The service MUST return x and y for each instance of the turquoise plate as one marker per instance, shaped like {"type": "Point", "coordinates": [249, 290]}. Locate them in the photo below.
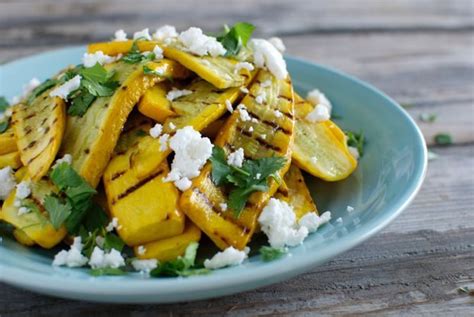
{"type": "Point", "coordinates": [387, 179]}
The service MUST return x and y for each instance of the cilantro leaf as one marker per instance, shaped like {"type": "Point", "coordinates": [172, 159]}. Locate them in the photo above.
{"type": "Point", "coordinates": [269, 253]}
{"type": "Point", "coordinates": [443, 139]}
{"type": "Point", "coordinates": [220, 169]}
{"type": "Point", "coordinates": [63, 176]}
{"type": "Point", "coordinates": [106, 271]}
{"type": "Point", "coordinates": [95, 218]}
{"type": "Point", "coordinates": [4, 126]}
{"type": "Point", "coordinates": [96, 73]}
{"type": "Point", "coordinates": [236, 37]}
{"type": "Point", "coordinates": [112, 241]}
{"type": "Point", "coordinates": [80, 104]}
{"type": "Point", "coordinates": [356, 140]}
{"type": "Point", "coordinates": [3, 104]}
{"type": "Point", "coordinates": [58, 211]}
{"type": "Point", "coordinates": [47, 84]}
{"type": "Point", "coordinates": [182, 266]}
{"type": "Point", "coordinates": [134, 56]}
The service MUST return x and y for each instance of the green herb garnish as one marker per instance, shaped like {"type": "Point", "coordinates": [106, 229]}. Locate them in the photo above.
{"type": "Point", "coordinates": [3, 104]}
{"type": "Point", "coordinates": [4, 126]}
{"type": "Point", "coordinates": [106, 271]}
{"type": "Point", "coordinates": [236, 37]}
{"type": "Point", "coordinates": [47, 84]}
{"type": "Point", "coordinates": [443, 139]}
{"type": "Point", "coordinates": [182, 266]}
{"type": "Point", "coordinates": [113, 241]}
{"type": "Point", "coordinates": [58, 210]}
{"type": "Point", "coordinates": [269, 253]}
{"type": "Point", "coordinates": [428, 117]}
{"type": "Point", "coordinates": [251, 177]}
{"type": "Point", "coordinates": [135, 56]}
{"type": "Point", "coordinates": [356, 140]}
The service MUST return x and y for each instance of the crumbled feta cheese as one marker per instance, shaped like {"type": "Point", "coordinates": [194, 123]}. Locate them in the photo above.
{"type": "Point", "coordinates": [312, 221]}
{"type": "Point", "coordinates": [165, 33]}
{"type": "Point", "coordinates": [23, 190]}
{"type": "Point", "coordinates": [354, 152]}
{"type": "Point", "coordinates": [316, 97]}
{"type": "Point", "coordinates": [266, 83]}
{"type": "Point", "coordinates": [171, 126]}
{"type": "Point", "coordinates": [278, 113]}
{"type": "Point", "coordinates": [73, 257]}
{"type": "Point", "coordinates": [318, 114]}
{"type": "Point", "coordinates": [350, 209]}
{"type": "Point", "coordinates": [23, 210]}
{"type": "Point", "coordinates": [7, 182]}
{"type": "Point", "coordinates": [244, 115]}
{"type": "Point", "coordinates": [164, 142]}
{"type": "Point", "coordinates": [67, 158]}
{"type": "Point", "coordinates": [158, 51]}
{"type": "Point", "coordinates": [243, 65]}
{"type": "Point", "coordinates": [266, 55]}
{"type": "Point", "coordinates": [144, 266]}
{"type": "Point", "coordinates": [113, 259]}
{"type": "Point", "coordinates": [97, 258]}
{"type": "Point", "coordinates": [112, 224]}
{"type": "Point", "coordinates": [65, 89]}
{"type": "Point", "coordinates": [314, 160]}
{"type": "Point", "coordinates": [228, 105]}
{"type": "Point", "coordinates": [196, 42]}
{"type": "Point", "coordinates": [176, 93]}
{"type": "Point", "coordinates": [244, 90]}
{"type": "Point", "coordinates": [223, 206]}
{"type": "Point", "coordinates": [263, 136]}
{"type": "Point", "coordinates": [40, 129]}
{"type": "Point", "coordinates": [278, 222]}
{"type": "Point", "coordinates": [251, 129]}
{"type": "Point", "coordinates": [236, 158]}
{"type": "Point", "coordinates": [89, 60]}
{"type": "Point", "coordinates": [191, 153]}
{"type": "Point", "coordinates": [120, 36]}
{"type": "Point", "coordinates": [258, 175]}
{"type": "Point", "coordinates": [339, 220]}
{"type": "Point", "coordinates": [143, 34]}
{"type": "Point", "coordinates": [156, 130]}
{"type": "Point", "coordinates": [141, 250]}
{"type": "Point", "coordinates": [228, 257]}
{"type": "Point", "coordinates": [183, 184]}
{"type": "Point", "coordinates": [254, 120]}
{"type": "Point", "coordinates": [278, 43]}
{"type": "Point", "coordinates": [261, 97]}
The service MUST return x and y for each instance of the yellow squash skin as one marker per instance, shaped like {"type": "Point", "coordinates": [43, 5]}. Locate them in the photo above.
{"type": "Point", "coordinates": [145, 206]}
{"type": "Point", "coordinates": [155, 105]}
{"type": "Point", "coordinates": [272, 136]}
{"type": "Point", "coordinates": [21, 237]}
{"type": "Point", "coordinates": [35, 225]}
{"type": "Point", "coordinates": [170, 248]}
{"type": "Point", "coordinates": [10, 159]}
{"type": "Point", "coordinates": [219, 71]}
{"type": "Point", "coordinates": [92, 137]}
{"type": "Point", "coordinates": [39, 129]}
{"type": "Point", "coordinates": [295, 192]}
{"type": "Point", "coordinates": [320, 148]}
{"type": "Point", "coordinates": [7, 142]}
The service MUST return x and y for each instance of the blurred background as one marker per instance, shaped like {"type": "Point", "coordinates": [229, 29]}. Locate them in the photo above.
{"type": "Point", "coordinates": [419, 52]}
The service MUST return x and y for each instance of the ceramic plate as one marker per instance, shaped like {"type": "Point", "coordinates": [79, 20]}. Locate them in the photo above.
{"type": "Point", "coordinates": [388, 177]}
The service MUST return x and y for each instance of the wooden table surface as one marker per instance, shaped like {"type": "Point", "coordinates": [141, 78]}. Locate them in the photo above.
{"type": "Point", "coordinates": [419, 52]}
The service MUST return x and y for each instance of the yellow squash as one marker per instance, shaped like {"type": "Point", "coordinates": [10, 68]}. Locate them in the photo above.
{"type": "Point", "coordinates": [39, 129]}
{"type": "Point", "coordinates": [7, 141]}
{"type": "Point", "coordinates": [90, 139]}
{"type": "Point", "coordinates": [269, 133]}
{"type": "Point", "coordinates": [21, 237]}
{"type": "Point", "coordinates": [10, 159]}
{"type": "Point", "coordinates": [294, 191]}
{"type": "Point", "coordinates": [155, 105]}
{"type": "Point", "coordinates": [170, 248]}
{"type": "Point", "coordinates": [320, 148]}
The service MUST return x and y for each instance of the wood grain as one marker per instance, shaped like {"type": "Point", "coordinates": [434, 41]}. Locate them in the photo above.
{"type": "Point", "coordinates": [419, 52]}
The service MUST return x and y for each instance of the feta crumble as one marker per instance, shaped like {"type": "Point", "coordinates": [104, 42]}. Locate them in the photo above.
{"type": "Point", "coordinates": [143, 34]}
{"type": "Point", "coordinates": [23, 190]}
{"type": "Point", "coordinates": [243, 65]}
{"type": "Point", "coordinates": [155, 132]}
{"type": "Point", "coordinates": [144, 266]}
{"type": "Point", "coordinates": [7, 182]}
{"type": "Point", "coordinates": [112, 224]}
{"type": "Point", "coordinates": [67, 158]}
{"type": "Point", "coordinates": [158, 51]}
{"type": "Point", "coordinates": [73, 257]}
{"type": "Point", "coordinates": [228, 105]}
{"type": "Point", "coordinates": [141, 250]}
{"type": "Point", "coordinates": [165, 34]}
{"type": "Point", "coordinates": [244, 115]}
{"type": "Point", "coordinates": [65, 89]}
{"type": "Point", "coordinates": [99, 259]}
{"type": "Point", "coordinates": [266, 83]}
{"type": "Point", "coordinates": [236, 158]}
{"type": "Point", "coordinates": [261, 97]}
{"type": "Point", "coordinates": [349, 209]}
{"type": "Point", "coordinates": [339, 220]}
{"type": "Point", "coordinates": [228, 257]}
{"type": "Point", "coordinates": [277, 43]}
{"type": "Point", "coordinates": [120, 36]}
{"type": "Point", "coordinates": [90, 59]}
{"type": "Point", "coordinates": [251, 129]}
{"type": "Point", "coordinates": [23, 210]}
{"type": "Point", "coordinates": [316, 97]}
{"type": "Point", "coordinates": [176, 93]}
{"type": "Point", "coordinates": [183, 184]}
{"type": "Point", "coordinates": [191, 153]}
{"type": "Point", "coordinates": [278, 222]}
{"type": "Point", "coordinates": [278, 113]}
{"type": "Point", "coordinates": [223, 206]}
{"type": "Point", "coordinates": [171, 126]}
{"type": "Point", "coordinates": [312, 221]}
{"type": "Point", "coordinates": [354, 152]}
{"type": "Point", "coordinates": [196, 42]}
{"type": "Point", "coordinates": [266, 55]}
{"type": "Point", "coordinates": [244, 90]}
{"type": "Point", "coordinates": [164, 142]}
{"type": "Point", "coordinates": [320, 113]}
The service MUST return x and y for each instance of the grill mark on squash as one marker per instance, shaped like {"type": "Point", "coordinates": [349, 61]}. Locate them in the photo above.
{"type": "Point", "coordinates": [262, 142]}
{"type": "Point", "coordinates": [135, 187]}
{"type": "Point", "coordinates": [40, 152]}
{"type": "Point", "coordinates": [117, 175]}
{"type": "Point", "coordinates": [273, 125]}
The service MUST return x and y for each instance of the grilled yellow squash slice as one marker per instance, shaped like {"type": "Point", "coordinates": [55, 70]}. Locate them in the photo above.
{"type": "Point", "coordinates": [320, 148]}
{"type": "Point", "coordinates": [155, 105]}
{"type": "Point", "coordinates": [146, 207]}
{"type": "Point", "coordinates": [35, 224]}
{"type": "Point", "coordinates": [39, 129]}
{"type": "Point", "coordinates": [170, 248]}
{"type": "Point", "coordinates": [21, 237]}
{"type": "Point", "coordinates": [219, 71]}
{"type": "Point", "coordinates": [90, 139]}
{"type": "Point", "coordinates": [294, 191]}
{"type": "Point", "coordinates": [268, 133]}
{"type": "Point", "coordinates": [10, 159]}
{"type": "Point", "coordinates": [7, 142]}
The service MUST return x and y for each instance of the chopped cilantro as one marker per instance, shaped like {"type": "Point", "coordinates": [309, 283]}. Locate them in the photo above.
{"type": "Point", "coordinates": [106, 271]}
{"type": "Point", "coordinates": [356, 140]}
{"type": "Point", "coordinates": [428, 117]}
{"type": "Point", "coordinates": [443, 139]}
{"type": "Point", "coordinates": [47, 84]}
{"type": "Point", "coordinates": [182, 266]}
{"type": "Point", "coordinates": [80, 104]}
{"type": "Point", "coordinates": [3, 104]}
{"type": "Point", "coordinates": [270, 253]}
{"type": "Point", "coordinates": [113, 241]}
{"type": "Point", "coordinates": [243, 181]}
{"type": "Point", "coordinates": [135, 56]}
{"type": "Point", "coordinates": [236, 37]}
{"type": "Point", "coordinates": [58, 210]}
